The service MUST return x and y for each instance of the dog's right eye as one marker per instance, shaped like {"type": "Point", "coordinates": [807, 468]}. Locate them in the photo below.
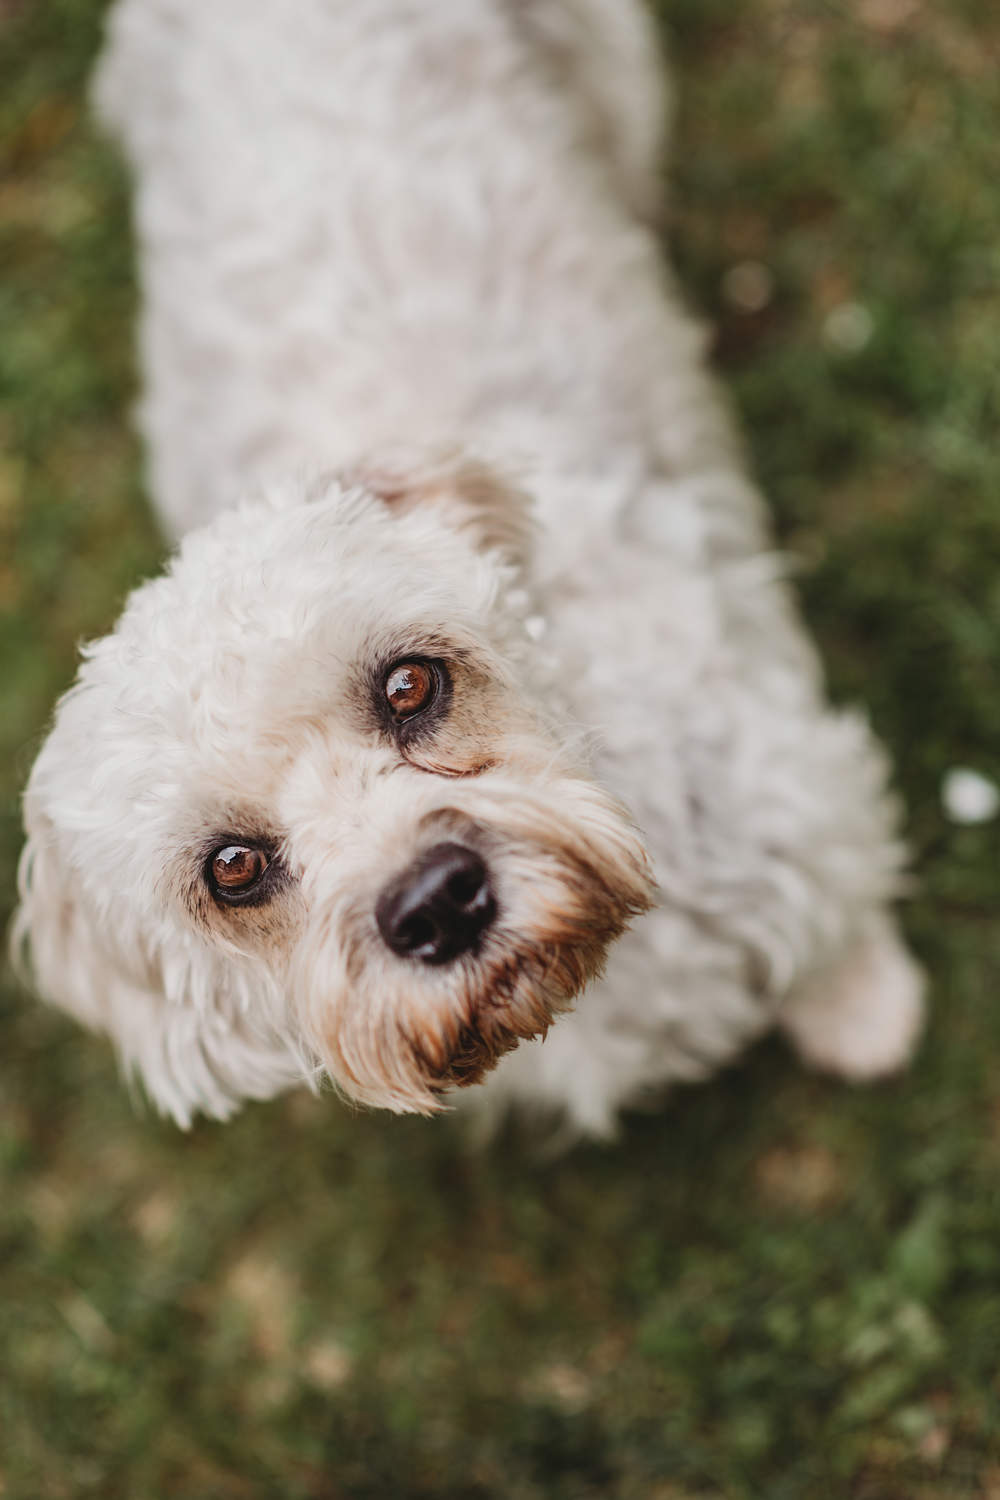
{"type": "Point", "coordinates": [410, 687]}
{"type": "Point", "coordinates": [234, 870]}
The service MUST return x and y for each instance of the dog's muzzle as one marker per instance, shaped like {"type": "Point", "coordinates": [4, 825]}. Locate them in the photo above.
{"type": "Point", "coordinates": [439, 907]}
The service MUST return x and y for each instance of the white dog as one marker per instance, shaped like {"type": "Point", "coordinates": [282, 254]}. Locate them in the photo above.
{"type": "Point", "coordinates": [338, 798]}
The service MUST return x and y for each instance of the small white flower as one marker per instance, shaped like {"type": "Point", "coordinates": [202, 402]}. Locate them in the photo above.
{"type": "Point", "coordinates": [848, 327]}
{"type": "Point", "coordinates": [969, 797]}
{"type": "Point", "coordinates": [748, 286]}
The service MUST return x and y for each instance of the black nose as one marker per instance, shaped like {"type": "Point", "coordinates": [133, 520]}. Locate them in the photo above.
{"type": "Point", "coordinates": [439, 907]}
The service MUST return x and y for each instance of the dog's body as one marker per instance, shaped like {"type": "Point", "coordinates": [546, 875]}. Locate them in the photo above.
{"type": "Point", "coordinates": [370, 234]}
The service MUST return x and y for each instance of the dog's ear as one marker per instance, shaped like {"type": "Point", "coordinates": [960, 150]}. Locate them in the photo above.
{"type": "Point", "coordinates": [54, 943]}
{"type": "Point", "coordinates": [480, 500]}
{"type": "Point", "coordinates": [61, 947]}
{"type": "Point", "coordinates": [167, 1026]}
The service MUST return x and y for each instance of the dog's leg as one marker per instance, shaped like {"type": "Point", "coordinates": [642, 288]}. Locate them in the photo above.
{"type": "Point", "coordinates": [860, 1016]}
{"type": "Point", "coordinates": [607, 55]}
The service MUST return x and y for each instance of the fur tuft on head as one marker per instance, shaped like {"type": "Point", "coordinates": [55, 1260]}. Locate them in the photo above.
{"type": "Point", "coordinates": [473, 495]}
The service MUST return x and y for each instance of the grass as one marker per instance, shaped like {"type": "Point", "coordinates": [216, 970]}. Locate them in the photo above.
{"type": "Point", "coordinates": [777, 1287]}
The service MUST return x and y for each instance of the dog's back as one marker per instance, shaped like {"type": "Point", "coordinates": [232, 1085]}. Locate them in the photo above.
{"type": "Point", "coordinates": [393, 221]}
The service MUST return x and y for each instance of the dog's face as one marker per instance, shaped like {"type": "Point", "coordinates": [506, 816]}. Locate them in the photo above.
{"type": "Point", "coordinates": [308, 811]}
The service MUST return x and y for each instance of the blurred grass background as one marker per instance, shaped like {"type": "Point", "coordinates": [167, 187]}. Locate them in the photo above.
{"type": "Point", "coordinates": [778, 1288]}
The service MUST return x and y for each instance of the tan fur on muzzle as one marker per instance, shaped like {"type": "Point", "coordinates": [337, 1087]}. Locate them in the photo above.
{"type": "Point", "coordinates": [397, 1033]}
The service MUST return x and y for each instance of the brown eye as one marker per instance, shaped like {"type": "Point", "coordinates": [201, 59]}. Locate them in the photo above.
{"type": "Point", "coordinates": [409, 688]}
{"type": "Point", "coordinates": [236, 868]}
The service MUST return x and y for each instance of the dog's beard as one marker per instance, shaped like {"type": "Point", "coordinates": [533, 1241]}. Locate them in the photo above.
{"type": "Point", "coordinates": [397, 1033]}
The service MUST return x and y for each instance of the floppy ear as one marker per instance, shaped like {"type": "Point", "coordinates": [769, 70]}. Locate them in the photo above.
{"type": "Point", "coordinates": [180, 1028]}
{"type": "Point", "coordinates": [54, 945]}
{"type": "Point", "coordinates": [478, 498]}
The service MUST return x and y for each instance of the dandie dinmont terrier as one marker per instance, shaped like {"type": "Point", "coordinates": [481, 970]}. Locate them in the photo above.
{"type": "Point", "coordinates": [473, 700]}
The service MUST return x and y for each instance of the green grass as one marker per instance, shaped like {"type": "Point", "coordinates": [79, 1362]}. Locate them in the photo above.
{"type": "Point", "coordinates": [775, 1289]}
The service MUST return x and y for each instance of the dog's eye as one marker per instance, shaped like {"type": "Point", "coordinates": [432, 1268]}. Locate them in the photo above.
{"type": "Point", "coordinates": [235, 869]}
{"type": "Point", "coordinates": [410, 687]}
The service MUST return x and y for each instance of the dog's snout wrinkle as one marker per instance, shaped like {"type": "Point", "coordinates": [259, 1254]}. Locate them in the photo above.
{"type": "Point", "coordinates": [439, 907]}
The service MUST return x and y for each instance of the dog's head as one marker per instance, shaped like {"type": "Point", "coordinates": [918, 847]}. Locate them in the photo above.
{"type": "Point", "coordinates": [309, 810]}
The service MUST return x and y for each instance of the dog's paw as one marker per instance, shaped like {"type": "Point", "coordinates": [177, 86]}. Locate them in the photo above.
{"type": "Point", "coordinates": [860, 1017]}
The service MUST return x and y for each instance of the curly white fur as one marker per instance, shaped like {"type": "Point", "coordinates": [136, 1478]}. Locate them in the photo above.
{"type": "Point", "coordinates": [374, 238]}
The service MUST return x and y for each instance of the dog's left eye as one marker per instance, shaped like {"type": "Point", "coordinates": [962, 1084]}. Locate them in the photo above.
{"type": "Point", "coordinates": [410, 687]}
{"type": "Point", "coordinates": [235, 870]}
